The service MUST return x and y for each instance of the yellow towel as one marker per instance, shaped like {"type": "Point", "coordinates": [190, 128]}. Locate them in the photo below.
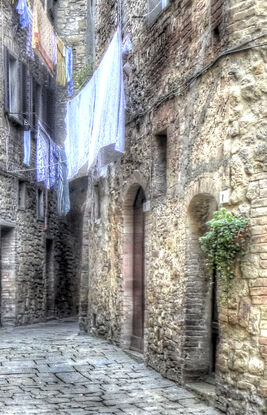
{"type": "Point", "coordinates": [61, 72]}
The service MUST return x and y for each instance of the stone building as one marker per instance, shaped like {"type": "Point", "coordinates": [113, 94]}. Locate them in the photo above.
{"type": "Point", "coordinates": [36, 251]}
{"type": "Point", "coordinates": [195, 141]}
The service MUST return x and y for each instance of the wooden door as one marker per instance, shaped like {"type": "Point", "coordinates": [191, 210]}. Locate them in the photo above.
{"type": "Point", "coordinates": [137, 340]}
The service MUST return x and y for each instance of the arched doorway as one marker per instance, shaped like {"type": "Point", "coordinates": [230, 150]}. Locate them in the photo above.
{"type": "Point", "coordinates": [201, 318]}
{"type": "Point", "coordinates": [132, 335]}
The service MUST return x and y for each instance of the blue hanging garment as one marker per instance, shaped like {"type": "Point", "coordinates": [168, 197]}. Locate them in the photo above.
{"type": "Point", "coordinates": [27, 147]}
{"type": "Point", "coordinates": [62, 186]}
{"type": "Point", "coordinates": [29, 49]}
{"type": "Point", "coordinates": [126, 45]}
{"type": "Point", "coordinates": [42, 156]}
{"type": "Point", "coordinates": [68, 68]}
{"type": "Point", "coordinates": [54, 160]}
{"type": "Point", "coordinates": [95, 117]}
{"type": "Point", "coordinates": [23, 12]}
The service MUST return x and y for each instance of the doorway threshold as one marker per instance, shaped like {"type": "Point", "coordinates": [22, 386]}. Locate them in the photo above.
{"type": "Point", "coordinates": [137, 356]}
{"type": "Point", "coordinates": [205, 389]}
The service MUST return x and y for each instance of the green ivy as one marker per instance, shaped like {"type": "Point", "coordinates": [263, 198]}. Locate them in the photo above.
{"type": "Point", "coordinates": [83, 75]}
{"type": "Point", "coordinates": [227, 236]}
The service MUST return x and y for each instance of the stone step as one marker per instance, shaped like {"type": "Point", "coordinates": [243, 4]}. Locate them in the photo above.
{"type": "Point", "coordinates": [204, 390]}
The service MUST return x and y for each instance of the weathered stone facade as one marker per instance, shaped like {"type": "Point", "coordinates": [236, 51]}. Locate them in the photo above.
{"type": "Point", "coordinates": [37, 258]}
{"type": "Point", "coordinates": [195, 141]}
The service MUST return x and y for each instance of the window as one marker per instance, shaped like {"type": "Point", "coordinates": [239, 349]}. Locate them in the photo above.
{"type": "Point", "coordinates": [160, 165]}
{"type": "Point", "coordinates": [44, 107]}
{"type": "Point", "coordinates": [40, 204]}
{"type": "Point", "coordinates": [155, 7]}
{"type": "Point", "coordinates": [51, 9]}
{"type": "Point", "coordinates": [97, 212]}
{"type": "Point", "coordinates": [22, 195]}
{"type": "Point", "coordinates": [18, 91]}
{"type": "Point", "coordinates": [13, 87]}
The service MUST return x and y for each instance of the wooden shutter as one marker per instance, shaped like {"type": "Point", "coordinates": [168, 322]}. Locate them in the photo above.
{"type": "Point", "coordinates": [27, 98]}
{"type": "Point", "coordinates": [50, 120]}
{"type": "Point", "coordinates": [20, 94]}
{"type": "Point", "coordinates": [37, 89]}
{"type": "Point", "coordinates": [6, 80]}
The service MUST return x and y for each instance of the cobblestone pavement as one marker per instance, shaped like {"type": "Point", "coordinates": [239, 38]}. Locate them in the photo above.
{"type": "Point", "coordinates": [49, 369]}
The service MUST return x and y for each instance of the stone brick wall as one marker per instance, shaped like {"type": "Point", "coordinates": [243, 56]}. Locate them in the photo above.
{"type": "Point", "coordinates": [27, 287]}
{"type": "Point", "coordinates": [216, 141]}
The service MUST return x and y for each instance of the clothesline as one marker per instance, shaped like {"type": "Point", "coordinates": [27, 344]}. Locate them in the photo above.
{"type": "Point", "coordinates": [95, 116]}
{"type": "Point", "coordinates": [35, 168]}
{"type": "Point", "coordinates": [44, 40]}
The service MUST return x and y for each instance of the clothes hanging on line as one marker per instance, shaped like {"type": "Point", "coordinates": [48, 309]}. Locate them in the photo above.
{"type": "Point", "coordinates": [51, 168]}
{"type": "Point", "coordinates": [27, 147]}
{"type": "Point", "coordinates": [126, 45]}
{"type": "Point", "coordinates": [61, 71]}
{"type": "Point", "coordinates": [62, 186]}
{"type": "Point", "coordinates": [42, 156]}
{"type": "Point", "coordinates": [54, 160]}
{"type": "Point", "coordinates": [29, 49]}
{"type": "Point", "coordinates": [95, 117]}
{"type": "Point", "coordinates": [43, 39]}
{"type": "Point", "coordinates": [68, 68]}
{"type": "Point", "coordinates": [23, 12]}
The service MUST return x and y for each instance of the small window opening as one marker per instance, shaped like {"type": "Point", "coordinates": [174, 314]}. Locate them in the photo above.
{"type": "Point", "coordinates": [216, 32]}
{"type": "Point", "coordinates": [97, 203]}
{"type": "Point", "coordinates": [22, 195]}
{"type": "Point", "coordinates": [40, 204]}
{"type": "Point", "coordinates": [94, 320]}
{"type": "Point", "coordinates": [154, 8]}
{"type": "Point", "coordinates": [160, 165]}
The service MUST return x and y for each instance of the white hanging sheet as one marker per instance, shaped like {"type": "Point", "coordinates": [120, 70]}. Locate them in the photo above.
{"type": "Point", "coordinates": [95, 117]}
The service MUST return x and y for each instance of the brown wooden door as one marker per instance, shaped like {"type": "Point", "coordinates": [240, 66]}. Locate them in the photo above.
{"type": "Point", "coordinates": [137, 340]}
{"type": "Point", "coordinates": [214, 323]}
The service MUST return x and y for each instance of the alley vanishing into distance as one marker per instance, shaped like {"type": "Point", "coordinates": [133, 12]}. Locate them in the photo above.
{"type": "Point", "coordinates": [49, 369]}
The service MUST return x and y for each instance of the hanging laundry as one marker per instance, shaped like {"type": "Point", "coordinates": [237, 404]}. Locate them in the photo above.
{"type": "Point", "coordinates": [23, 12]}
{"type": "Point", "coordinates": [42, 156]}
{"type": "Point", "coordinates": [126, 45]}
{"type": "Point", "coordinates": [61, 72]}
{"type": "Point", "coordinates": [62, 186]}
{"type": "Point", "coordinates": [27, 147]}
{"type": "Point", "coordinates": [54, 160]}
{"type": "Point", "coordinates": [29, 49]}
{"type": "Point", "coordinates": [68, 67]}
{"type": "Point", "coordinates": [51, 168]}
{"type": "Point", "coordinates": [43, 39]}
{"type": "Point", "coordinates": [95, 117]}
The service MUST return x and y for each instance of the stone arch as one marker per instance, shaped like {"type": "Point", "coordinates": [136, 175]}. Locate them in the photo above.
{"type": "Point", "coordinates": [199, 292]}
{"type": "Point", "coordinates": [128, 261]}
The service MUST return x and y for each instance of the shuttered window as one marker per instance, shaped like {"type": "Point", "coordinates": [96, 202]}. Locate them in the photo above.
{"type": "Point", "coordinates": [18, 91]}
{"type": "Point", "coordinates": [44, 107]}
{"type": "Point", "coordinates": [154, 8]}
{"type": "Point", "coordinates": [13, 88]}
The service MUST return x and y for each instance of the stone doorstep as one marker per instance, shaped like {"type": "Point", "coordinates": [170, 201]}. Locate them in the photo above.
{"type": "Point", "coordinates": [205, 390]}
{"type": "Point", "coordinates": [138, 357]}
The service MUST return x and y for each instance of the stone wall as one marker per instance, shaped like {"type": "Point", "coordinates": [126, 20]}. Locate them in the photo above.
{"type": "Point", "coordinates": [28, 287]}
{"type": "Point", "coordinates": [216, 141]}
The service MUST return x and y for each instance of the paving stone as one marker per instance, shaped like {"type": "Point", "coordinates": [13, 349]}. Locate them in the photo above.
{"type": "Point", "coordinates": [50, 370]}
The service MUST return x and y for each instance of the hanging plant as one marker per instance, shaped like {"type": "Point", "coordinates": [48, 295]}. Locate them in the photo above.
{"type": "Point", "coordinates": [227, 236]}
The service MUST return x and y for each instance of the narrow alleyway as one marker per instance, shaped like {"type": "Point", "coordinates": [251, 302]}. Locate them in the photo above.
{"type": "Point", "coordinates": [49, 369]}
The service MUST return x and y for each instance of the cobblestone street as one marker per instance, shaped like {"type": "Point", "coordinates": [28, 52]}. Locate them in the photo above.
{"type": "Point", "coordinates": [49, 369]}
